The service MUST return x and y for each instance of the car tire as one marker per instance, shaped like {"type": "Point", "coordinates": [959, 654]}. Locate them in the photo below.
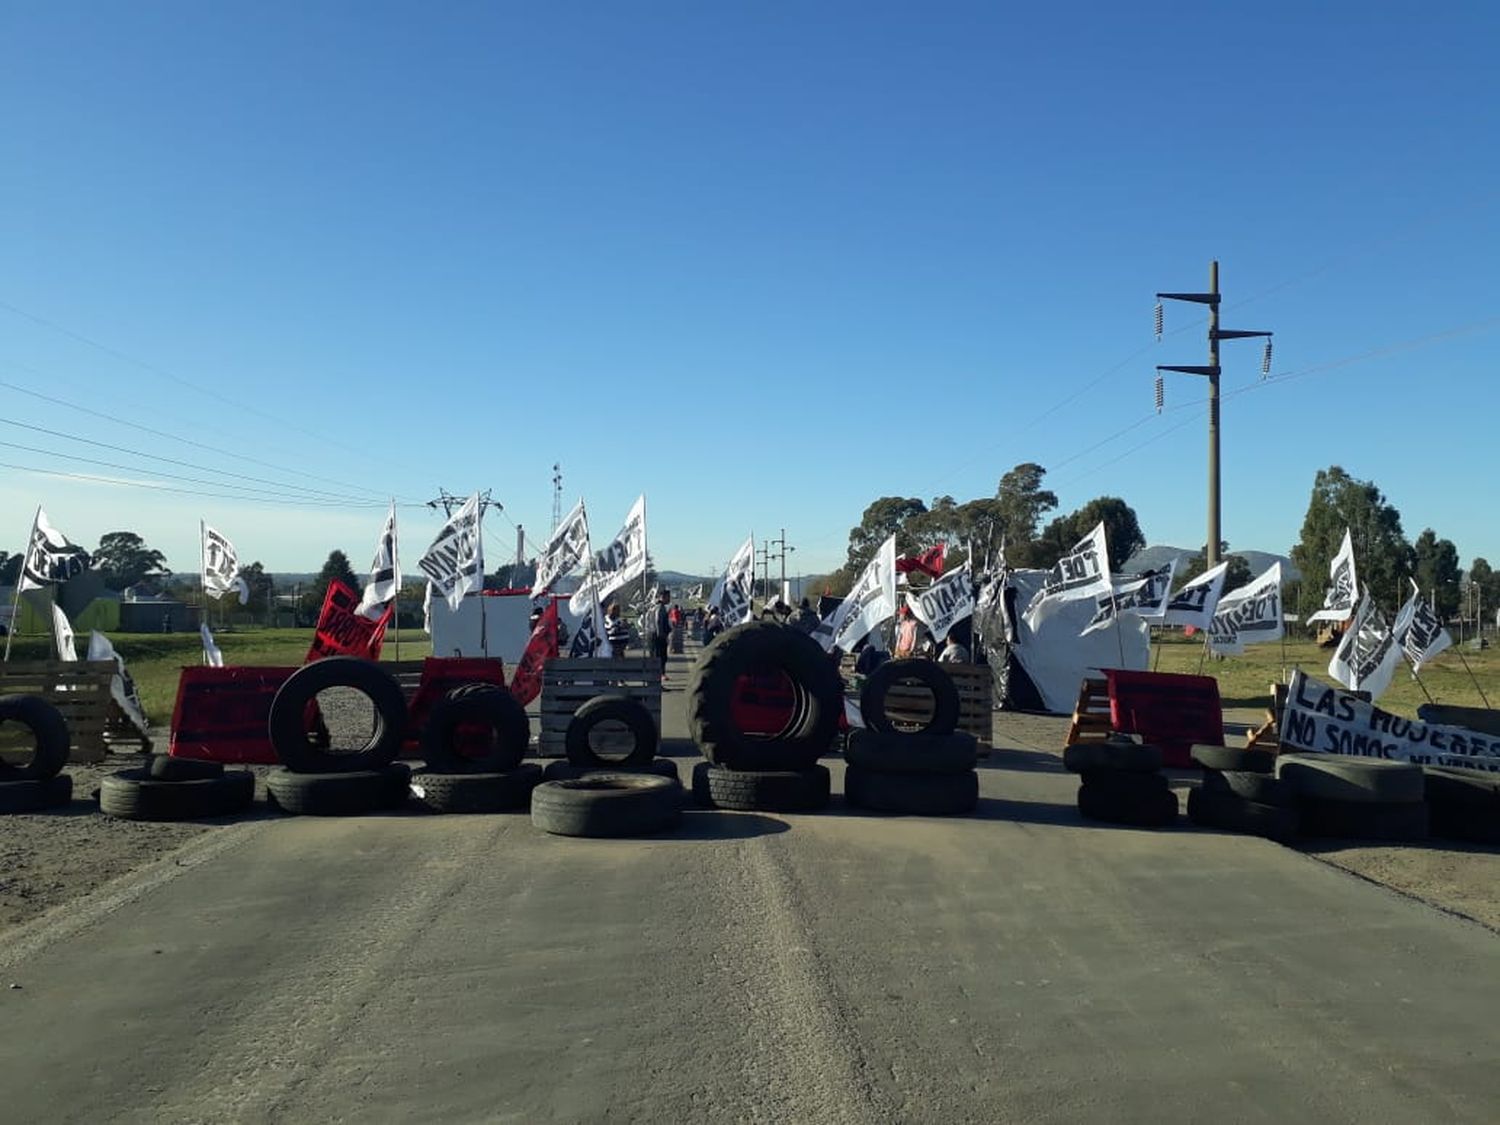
{"type": "Point", "coordinates": [761, 790]}
{"type": "Point", "coordinates": [877, 686]}
{"type": "Point", "coordinates": [1336, 777]}
{"type": "Point", "coordinates": [1227, 810]}
{"type": "Point", "coordinates": [289, 706]}
{"type": "Point", "coordinates": [1364, 820]}
{"type": "Point", "coordinates": [631, 713]}
{"type": "Point", "coordinates": [607, 805]}
{"type": "Point", "coordinates": [476, 705]}
{"type": "Point", "coordinates": [1233, 759]}
{"type": "Point", "coordinates": [912, 794]}
{"type": "Point", "coordinates": [49, 731]}
{"type": "Point", "coordinates": [136, 795]}
{"type": "Point", "coordinates": [164, 767]}
{"type": "Point", "coordinates": [506, 791]}
{"type": "Point", "coordinates": [1129, 757]}
{"type": "Point", "coordinates": [1262, 788]}
{"type": "Point", "coordinates": [344, 793]}
{"type": "Point", "coordinates": [34, 796]}
{"type": "Point", "coordinates": [1115, 806]}
{"type": "Point", "coordinates": [912, 753]}
{"type": "Point", "coordinates": [567, 771]}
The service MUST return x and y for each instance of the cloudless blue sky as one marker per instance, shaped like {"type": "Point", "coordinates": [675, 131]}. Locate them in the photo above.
{"type": "Point", "coordinates": [763, 263]}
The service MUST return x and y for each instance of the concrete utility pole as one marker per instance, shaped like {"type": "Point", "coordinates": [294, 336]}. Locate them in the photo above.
{"type": "Point", "coordinates": [781, 554]}
{"type": "Point", "coordinates": [1215, 334]}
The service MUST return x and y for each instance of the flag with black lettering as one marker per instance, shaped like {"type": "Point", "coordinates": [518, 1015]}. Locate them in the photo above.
{"type": "Point", "coordinates": [621, 562]}
{"type": "Point", "coordinates": [1419, 632]}
{"type": "Point", "coordinates": [1367, 655]}
{"type": "Point", "coordinates": [1144, 595]}
{"type": "Point", "coordinates": [591, 639]}
{"type": "Point", "coordinates": [731, 593]}
{"type": "Point", "coordinates": [50, 558]}
{"type": "Point", "coordinates": [1082, 573]}
{"type": "Point", "coordinates": [871, 601]}
{"type": "Point", "coordinates": [122, 687]}
{"type": "Point", "coordinates": [564, 548]}
{"type": "Point", "coordinates": [385, 572]}
{"type": "Point", "coordinates": [1195, 603]}
{"type": "Point", "coordinates": [945, 603]}
{"type": "Point", "coordinates": [454, 564]}
{"type": "Point", "coordinates": [221, 565]}
{"type": "Point", "coordinates": [1343, 586]}
{"type": "Point", "coordinates": [1250, 615]}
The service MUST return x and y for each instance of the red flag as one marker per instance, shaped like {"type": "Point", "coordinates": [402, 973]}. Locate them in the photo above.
{"type": "Point", "coordinates": [343, 630]}
{"type": "Point", "coordinates": [526, 683]}
{"type": "Point", "coordinates": [929, 561]}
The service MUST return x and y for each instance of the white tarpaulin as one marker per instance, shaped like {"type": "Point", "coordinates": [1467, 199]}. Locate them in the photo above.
{"type": "Point", "coordinates": [1249, 616]}
{"type": "Point", "coordinates": [385, 572]}
{"type": "Point", "coordinates": [731, 593]}
{"type": "Point", "coordinates": [871, 601]}
{"type": "Point", "coordinates": [1419, 632]}
{"type": "Point", "coordinates": [1338, 602]}
{"type": "Point", "coordinates": [1081, 574]}
{"type": "Point", "coordinates": [565, 547]}
{"type": "Point", "coordinates": [1195, 603]}
{"type": "Point", "coordinates": [945, 603]}
{"type": "Point", "coordinates": [454, 564]}
{"type": "Point", "coordinates": [1145, 596]}
{"type": "Point", "coordinates": [1330, 720]}
{"type": "Point", "coordinates": [620, 563]}
{"type": "Point", "coordinates": [1368, 654]}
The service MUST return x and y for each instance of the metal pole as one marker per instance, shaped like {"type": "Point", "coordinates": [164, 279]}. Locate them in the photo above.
{"type": "Point", "coordinates": [1213, 417]}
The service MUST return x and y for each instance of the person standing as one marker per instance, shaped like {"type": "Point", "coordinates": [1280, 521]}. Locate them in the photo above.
{"type": "Point", "coordinates": [616, 631]}
{"type": "Point", "coordinates": [659, 629]}
{"type": "Point", "coordinates": [804, 619]}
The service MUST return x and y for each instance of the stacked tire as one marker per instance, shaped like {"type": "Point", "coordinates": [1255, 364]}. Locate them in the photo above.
{"type": "Point", "coordinates": [1356, 798]}
{"type": "Point", "coordinates": [39, 782]}
{"type": "Point", "coordinates": [313, 780]}
{"type": "Point", "coordinates": [1241, 794]}
{"type": "Point", "coordinates": [167, 788]}
{"type": "Point", "coordinates": [472, 748]}
{"type": "Point", "coordinates": [1463, 804]}
{"type": "Point", "coordinates": [598, 716]}
{"type": "Point", "coordinates": [922, 769]}
{"type": "Point", "coordinates": [776, 772]}
{"type": "Point", "coordinates": [1122, 783]}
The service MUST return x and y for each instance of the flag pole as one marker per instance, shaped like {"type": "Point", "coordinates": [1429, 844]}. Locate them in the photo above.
{"type": "Point", "coordinates": [15, 605]}
{"type": "Point", "coordinates": [1471, 674]}
{"type": "Point", "coordinates": [396, 566]}
{"type": "Point", "coordinates": [203, 578]}
{"type": "Point", "coordinates": [1418, 678]}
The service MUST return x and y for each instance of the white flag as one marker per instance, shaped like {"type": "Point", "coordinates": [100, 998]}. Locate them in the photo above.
{"type": "Point", "coordinates": [211, 654]}
{"type": "Point", "coordinates": [872, 601]}
{"type": "Point", "coordinates": [62, 634]}
{"type": "Point", "coordinates": [945, 603]}
{"type": "Point", "coordinates": [50, 558]}
{"type": "Point", "coordinates": [1144, 596]}
{"type": "Point", "coordinates": [564, 548]}
{"type": "Point", "coordinates": [1367, 655]}
{"type": "Point", "coordinates": [1082, 573]}
{"type": "Point", "coordinates": [1338, 602]}
{"type": "Point", "coordinates": [121, 686]}
{"type": "Point", "coordinates": [731, 593]}
{"type": "Point", "coordinates": [622, 562]}
{"type": "Point", "coordinates": [454, 564]}
{"type": "Point", "coordinates": [1251, 615]}
{"type": "Point", "coordinates": [591, 639]}
{"type": "Point", "coordinates": [1195, 603]}
{"type": "Point", "coordinates": [221, 565]}
{"type": "Point", "coordinates": [385, 572]}
{"type": "Point", "coordinates": [1419, 632]}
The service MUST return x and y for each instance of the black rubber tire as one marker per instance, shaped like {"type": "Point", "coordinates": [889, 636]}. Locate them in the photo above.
{"type": "Point", "coordinates": [1223, 809]}
{"type": "Point", "coordinates": [49, 730]}
{"type": "Point", "coordinates": [164, 767]}
{"type": "Point", "coordinates": [878, 684]}
{"type": "Point", "coordinates": [1233, 759]}
{"type": "Point", "coordinates": [1129, 785]}
{"type": "Point", "coordinates": [1262, 788]}
{"type": "Point", "coordinates": [912, 753]}
{"type": "Point", "coordinates": [1128, 757]}
{"type": "Point", "coordinates": [479, 705]}
{"type": "Point", "coordinates": [607, 805]}
{"type": "Point", "coordinates": [509, 791]}
{"type": "Point", "coordinates": [567, 771]}
{"type": "Point", "coordinates": [761, 790]}
{"type": "Point", "coordinates": [912, 794]}
{"type": "Point", "coordinates": [622, 709]}
{"type": "Point", "coordinates": [1337, 777]}
{"type": "Point", "coordinates": [1476, 824]}
{"type": "Point", "coordinates": [290, 741]}
{"type": "Point", "coordinates": [344, 793]}
{"type": "Point", "coordinates": [1364, 820]}
{"type": "Point", "coordinates": [1114, 806]}
{"type": "Point", "coordinates": [1449, 785]}
{"type": "Point", "coordinates": [34, 796]}
{"type": "Point", "coordinates": [136, 795]}
{"type": "Point", "coordinates": [762, 645]}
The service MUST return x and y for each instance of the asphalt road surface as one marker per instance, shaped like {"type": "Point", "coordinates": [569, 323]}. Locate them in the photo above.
{"type": "Point", "coordinates": [1017, 966]}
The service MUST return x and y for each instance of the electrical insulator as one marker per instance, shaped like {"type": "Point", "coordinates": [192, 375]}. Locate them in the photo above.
{"type": "Point", "coordinates": [1265, 361]}
{"type": "Point", "coordinates": [1160, 320]}
{"type": "Point", "coordinates": [1161, 393]}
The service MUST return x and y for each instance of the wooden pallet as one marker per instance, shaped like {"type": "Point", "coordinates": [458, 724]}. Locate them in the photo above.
{"type": "Point", "coordinates": [912, 703]}
{"type": "Point", "coordinates": [568, 684]}
{"type": "Point", "coordinates": [1092, 721]}
{"type": "Point", "coordinates": [79, 689]}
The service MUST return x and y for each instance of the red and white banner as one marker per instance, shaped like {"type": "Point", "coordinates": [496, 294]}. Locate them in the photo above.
{"type": "Point", "coordinates": [343, 630]}
{"type": "Point", "coordinates": [526, 682]}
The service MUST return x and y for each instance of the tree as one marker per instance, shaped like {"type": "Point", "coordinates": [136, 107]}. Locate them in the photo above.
{"type": "Point", "coordinates": [884, 517]}
{"type": "Point", "coordinates": [1482, 581]}
{"type": "Point", "coordinates": [336, 566]}
{"type": "Point", "coordinates": [10, 568]}
{"type": "Point", "coordinates": [1020, 503]}
{"type": "Point", "coordinates": [1122, 531]}
{"type": "Point", "coordinates": [1235, 575]}
{"type": "Point", "coordinates": [262, 589]}
{"type": "Point", "coordinates": [1437, 574]}
{"type": "Point", "coordinates": [123, 559]}
{"type": "Point", "coordinates": [1382, 555]}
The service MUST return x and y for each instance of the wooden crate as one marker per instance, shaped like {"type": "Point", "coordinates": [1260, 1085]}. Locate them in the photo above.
{"type": "Point", "coordinates": [567, 684]}
{"type": "Point", "coordinates": [912, 703]}
{"type": "Point", "coordinates": [1092, 720]}
{"type": "Point", "coordinates": [79, 689]}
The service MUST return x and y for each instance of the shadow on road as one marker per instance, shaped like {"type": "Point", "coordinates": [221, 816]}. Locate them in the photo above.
{"type": "Point", "coordinates": [1025, 761]}
{"type": "Point", "coordinates": [716, 824]}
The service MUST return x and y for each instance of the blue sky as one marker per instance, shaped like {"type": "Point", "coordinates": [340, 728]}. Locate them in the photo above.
{"type": "Point", "coordinates": [762, 263]}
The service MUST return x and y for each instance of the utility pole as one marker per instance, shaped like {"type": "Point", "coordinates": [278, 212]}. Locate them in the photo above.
{"type": "Point", "coordinates": [1212, 370]}
{"type": "Point", "coordinates": [781, 555]}
{"type": "Point", "coordinates": [556, 494]}
{"type": "Point", "coordinates": [764, 557]}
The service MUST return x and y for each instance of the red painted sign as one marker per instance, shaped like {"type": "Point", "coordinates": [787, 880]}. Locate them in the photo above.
{"type": "Point", "coordinates": [343, 630]}
{"type": "Point", "coordinates": [1169, 710]}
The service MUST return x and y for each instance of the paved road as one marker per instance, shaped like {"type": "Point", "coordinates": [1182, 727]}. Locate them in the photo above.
{"type": "Point", "coordinates": [1017, 966]}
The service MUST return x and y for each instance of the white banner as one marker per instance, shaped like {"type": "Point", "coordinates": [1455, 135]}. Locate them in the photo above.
{"type": "Point", "coordinates": [1338, 602]}
{"type": "Point", "coordinates": [1329, 720]}
{"type": "Point", "coordinates": [1082, 573]}
{"type": "Point", "coordinates": [62, 634]}
{"type": "Point", "coordinates": [221, 565]}
{"type": "Point", "coordinates": [731, 593]}
{"type": "Point", "coordinates": [1249, 616]}
{"type": "Point", "coordinates": [1368, 654]}
{"type": "Point", "coordinates": [564, 548]}
{"type": "Point", "coordinates": [121, 686]}
{"type": "Point", "coordinates": [211, 654]}
{"type": "Point", "coordinates": [385, 572]}
{"type": "Point", "coordinates": [872, 600]}
{"type": "Point", "coordinates": [620, 563]}
{"type": "Point", "coordinates": [1145, 596]}
{"type": "Point", "coordinates": [1195, 603]}
{"type": "Point", "coordinates": [50, 558]}
{"type": "Point", "coordinates": [454, 564]}
{"type": "Point", "coordinates": [945, 603]}
{"type": "Point", "coordinates": [1419, 632]}
{"type": "Point", "coordinates": [591, 638]}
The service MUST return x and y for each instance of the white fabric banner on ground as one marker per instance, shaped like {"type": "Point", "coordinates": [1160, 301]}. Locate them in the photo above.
{"type": "Point", "coordinates": [1367, 655]}
{"type": "Point", "coordinates": [1419, 632]}
{"type": "Point", "coordinates": [454, 564]}
{"type": "Point", "coordinates": [1145, 596]}
{"type": "Point", "coordinates": [385, 572]}
{"type": "Point", "coordinates": [945, 603]}
{"type": "Point", "coordinates": [1249, 616]}
{"type": "Point", "coordinates": [121, 686]}
{"type": "Point", "coordinates": [50, 558]}
{"type": "Point", "coordinates": [620, 563]}
{"type": "Point", "coordinates": [62, 634]}
{"type": "Point", "coordinates": [1330, 720]}
{"type": "Point", "coordinates": [221, 565]}
{"type": "Point", "coordinates": [564, 549]}
{"type": "Point", "coordinates": [871, 601]}
{"type": "Point", "coordinates": [1195, 603]}
{"type": "Point", "coordinates": [731, 593]}
{"type": "Point", "coordinates": [1339, 601]}
{"type": "Point", "coordinates": [1083, 573]}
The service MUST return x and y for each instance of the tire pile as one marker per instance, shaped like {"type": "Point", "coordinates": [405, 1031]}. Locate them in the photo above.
{"type": "Point", "coordinates": [1463, 804]}
{"type": "Point", "coordinates": [1122, 783]}
{"type": "Point", "coordinates": [1240, 794]}
{"type": "Point", "coordinates": [472, 749]}
{"type": "Point", "coordinates": [38, 783]}
{"type": "Point", "coordinates": [925, 771]}
{"type": "Point", "coordinates": [1356, 798]}
{"type": "Point", "coordinates": [166, 788]}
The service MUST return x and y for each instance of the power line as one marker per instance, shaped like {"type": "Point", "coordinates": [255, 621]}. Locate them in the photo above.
{"type": "Point", "coordinates": [164, 488]}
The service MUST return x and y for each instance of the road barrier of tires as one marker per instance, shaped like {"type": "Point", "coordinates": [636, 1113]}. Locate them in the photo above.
{"type": "Point", "coordinates": [35, 740]}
